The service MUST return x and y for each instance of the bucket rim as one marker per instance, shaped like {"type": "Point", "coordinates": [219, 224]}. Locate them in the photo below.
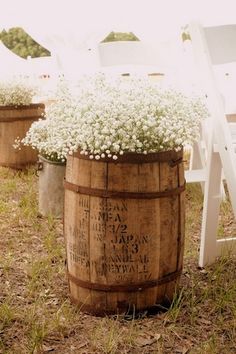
{"type": "Point", "coordinates": [44, 159]}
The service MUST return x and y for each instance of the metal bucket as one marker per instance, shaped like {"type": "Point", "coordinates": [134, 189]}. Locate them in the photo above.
{"type": "Point", "coordinates": [51, 192]}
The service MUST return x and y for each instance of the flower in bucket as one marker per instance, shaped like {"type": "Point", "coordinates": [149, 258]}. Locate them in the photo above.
{"type": "Point", "coordinates": [135, 115]}
{"type": "Point", "coordinates": [107, 117]}
{"type": "Point", "coordinates": [16, 92]}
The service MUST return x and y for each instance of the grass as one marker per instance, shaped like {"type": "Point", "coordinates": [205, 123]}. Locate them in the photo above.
{"type": "Point", "coordinates": [36, 315]}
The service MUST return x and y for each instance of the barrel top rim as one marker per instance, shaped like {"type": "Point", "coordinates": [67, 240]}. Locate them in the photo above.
{"type": "Point", "coordinates": [132, 157]}
{"type": "Point", "coordinates": [29, 106]}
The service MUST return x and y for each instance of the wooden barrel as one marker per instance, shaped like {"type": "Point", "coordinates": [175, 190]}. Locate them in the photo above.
{"type": "Point", "coordinates": [14, 123]}
{"type": "Point", "coordinates": [124, 230]}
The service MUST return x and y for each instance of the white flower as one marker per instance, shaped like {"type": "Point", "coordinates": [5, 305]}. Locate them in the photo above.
{"type": "Point", "coordinates": [16, 92]}
{"type": "Point", "coordinates": [137, 116]}
{"type": "Point", "coordinates": [102, 117]}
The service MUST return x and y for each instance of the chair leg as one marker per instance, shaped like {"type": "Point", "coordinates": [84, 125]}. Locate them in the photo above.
{"type": "Point", "coordinates": [197, 160]}
{"type": "Point", "coordinates": [211, 209]}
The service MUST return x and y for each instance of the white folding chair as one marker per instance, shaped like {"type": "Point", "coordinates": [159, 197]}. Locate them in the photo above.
{"type": "Point", "coordinates": [215, 46]}
{"type": "Point", "coordinates": [128, 58]}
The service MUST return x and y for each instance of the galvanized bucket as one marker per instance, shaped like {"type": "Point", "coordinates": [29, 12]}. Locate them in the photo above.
{"type": "Point", "coordinates": [51, 192]}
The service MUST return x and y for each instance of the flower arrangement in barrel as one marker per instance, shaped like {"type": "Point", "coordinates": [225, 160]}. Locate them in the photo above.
{"type": "Point", "coordinates": [17, 92]}
{"type": "Point", "coordinates": [106, 117]}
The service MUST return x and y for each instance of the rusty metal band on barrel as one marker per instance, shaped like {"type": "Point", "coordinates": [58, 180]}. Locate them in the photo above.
{"type": "Point", "coordinates": [19, 119]}
{"type": "Point", "coordinates": [118, 194]}
{"type": "Point", "coordinates": [22, 107]}
{"type": "Point", "coordinates": [18, 165]}
{"type": "Point", "coordinates": [124, 287]}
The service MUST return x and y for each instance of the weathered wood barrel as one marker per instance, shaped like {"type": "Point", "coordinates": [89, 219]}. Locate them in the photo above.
{"type": "Point", "coordinates": [124, 230]}
{"type": "Point", "coordinates": [14, 123]}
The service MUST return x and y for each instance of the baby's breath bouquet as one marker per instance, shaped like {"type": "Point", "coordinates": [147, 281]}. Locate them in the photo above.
{"type": "Point", "coordinates": [135, 115]}
{"type": "Point", "coordinates": [16, 92]}
{"type": "Point", "coordinates": [106, 117]}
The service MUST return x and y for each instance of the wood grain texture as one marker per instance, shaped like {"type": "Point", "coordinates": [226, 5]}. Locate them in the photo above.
{"type": "Point", "coordinates": [14, 123]}
{"type": "Point", "coordinates": [121, 241]}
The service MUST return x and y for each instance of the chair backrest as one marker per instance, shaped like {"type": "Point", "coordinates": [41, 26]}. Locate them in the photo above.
{"type": "Point", "coordinates": [138, 57]}
{"type": "Point", "coordinates": [221, 42]}
{"type": "Point", "coordinates": [211, 46]}
{"type": "Point", "coordinates": [128, 53]}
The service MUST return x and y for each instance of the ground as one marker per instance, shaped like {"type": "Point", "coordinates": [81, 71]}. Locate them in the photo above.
{"type": "Point", "coordinates": [36, 315]}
